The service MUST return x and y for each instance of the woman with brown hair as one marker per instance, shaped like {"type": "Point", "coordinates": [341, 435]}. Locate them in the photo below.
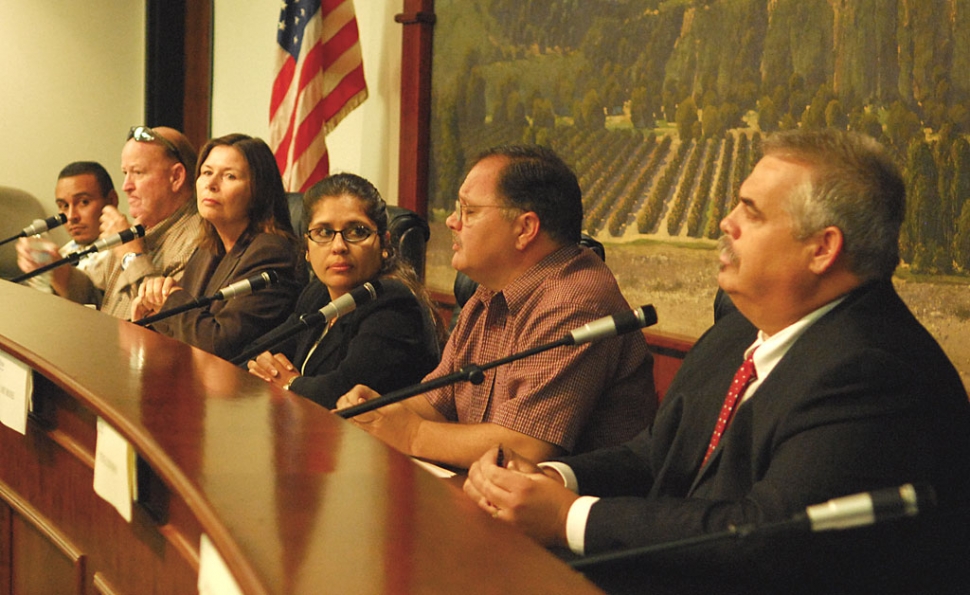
{"type": "Point", "coordinates": [245, 231]}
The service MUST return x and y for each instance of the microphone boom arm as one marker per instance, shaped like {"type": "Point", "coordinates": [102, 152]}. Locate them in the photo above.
{"type": "Point", "coordinates": [136, 231]}
{"type": "Point", "coordinates": [278, 339]}
{"type": "Point", "coordinates": [237, 289]}
{"type": "Point", "coordinates": [196, 303]}
{"type": "Point", "coordinates": [39, 226]}
{"type": "Point", "coordinates": [72, 258]}
{"type": "Point", "coordinates": [473, 372]}
{"type": "Point", "coordinates": [857, 510]}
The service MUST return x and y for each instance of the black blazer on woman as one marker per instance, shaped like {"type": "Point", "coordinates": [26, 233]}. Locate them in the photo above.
{"type": "Point", "coordinates": [386, 344]}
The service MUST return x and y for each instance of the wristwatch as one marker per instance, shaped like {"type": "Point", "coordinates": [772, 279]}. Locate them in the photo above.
{"type": "Point", "coordinates": [127, 259]}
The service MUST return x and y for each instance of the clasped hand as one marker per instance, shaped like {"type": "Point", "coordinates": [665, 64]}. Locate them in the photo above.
{"type": "Point", "coordinates": [521, 493]}
{"type": "Point", "coordinates": [277, 369]}
{"type": "Point", "coordinates": [152, 294]}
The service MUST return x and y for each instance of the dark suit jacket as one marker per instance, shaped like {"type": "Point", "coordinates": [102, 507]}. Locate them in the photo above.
{"type": "Point", "coordinates": [386, 344]}
{"type": "Point", "coordinates": [226, 326]}
{"type": "Point", "coordinates": [865, 399]}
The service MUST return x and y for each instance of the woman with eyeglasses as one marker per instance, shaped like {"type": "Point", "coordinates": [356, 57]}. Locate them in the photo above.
{"type": "Point", "coordinates": [245, 231]}
{"type": "Point", "coordinates": [388, 343]}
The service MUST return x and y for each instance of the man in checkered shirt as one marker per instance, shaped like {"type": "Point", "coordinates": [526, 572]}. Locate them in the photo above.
{"type": "Point", "coordinates": [516, 228]}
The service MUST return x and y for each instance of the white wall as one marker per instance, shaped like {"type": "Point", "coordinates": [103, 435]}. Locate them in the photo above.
{"type": "Point", "coordinates": [71, 84]}
{"type": "Point", "coordinates": [366, 141]}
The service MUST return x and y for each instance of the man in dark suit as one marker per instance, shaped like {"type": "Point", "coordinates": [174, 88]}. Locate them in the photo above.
{"type": "Point", "coordinates": [849, 393]}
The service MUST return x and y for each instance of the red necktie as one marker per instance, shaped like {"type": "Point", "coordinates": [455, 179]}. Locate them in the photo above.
{"type": "Point", "coordinates": [742, 378]}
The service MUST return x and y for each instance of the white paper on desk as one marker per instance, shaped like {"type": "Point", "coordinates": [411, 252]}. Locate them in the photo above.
{"type": "Point", "coordinates": [114, 469]}
{"type": "Point", "coordinates": [214, 575]}
{"type": "Point", "coordinates": [434, 469]}
{"type": "Point", "coordinates": [16, 388]}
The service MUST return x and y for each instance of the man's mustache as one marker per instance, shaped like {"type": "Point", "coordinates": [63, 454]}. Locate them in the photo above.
{"type": "Point", "coordinates": [726, 247]}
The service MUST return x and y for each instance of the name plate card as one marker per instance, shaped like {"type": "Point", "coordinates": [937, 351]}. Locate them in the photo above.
{"type": "Point", "coordinates": [16, 388]}
{"type": "Point", "coordinates": [214, 576]}
{"type": "Point", "coordinates": [114, 469]}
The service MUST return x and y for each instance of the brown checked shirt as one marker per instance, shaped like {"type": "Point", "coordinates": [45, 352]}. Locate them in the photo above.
{"type": "Point", "coordinates": [577, 397]}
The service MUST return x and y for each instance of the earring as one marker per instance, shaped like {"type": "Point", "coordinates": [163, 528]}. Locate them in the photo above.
{"type": "Point", "coordinates": [384, 254]}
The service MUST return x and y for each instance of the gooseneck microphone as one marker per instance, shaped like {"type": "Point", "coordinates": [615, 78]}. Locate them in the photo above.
{"type": "Point", "coordinates": [116, 239]}
{"type": "Point", "coordinates": [341, 306]}
{"type": "Point", "coordinates": [857, 510]}
{"type": "Point", "coordinates": [344, 304]}
{"type": "Point", "coordinates": [246, 286]}
{"type": "Point", "coordinates": [39, 226]}
{"type": "Point", "coordinates": [617, 324]}
{"type": "Point", "coordinates": [233, 290]}
{"type": "Point", "coordinates": [136, 231]}
{"type": "Point", "coordinates": [868, 508]}
{"type": "Point", "coordinates": [608, 326]}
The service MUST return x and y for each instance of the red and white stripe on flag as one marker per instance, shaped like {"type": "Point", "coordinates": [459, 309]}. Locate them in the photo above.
{"type": "Point", "coordinates": [319, 80]}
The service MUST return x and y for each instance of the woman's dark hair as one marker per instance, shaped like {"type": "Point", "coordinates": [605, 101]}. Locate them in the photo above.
{"type": "Point", "coordinates": [268, 208]}
{"type": "Point", "coordinates": [376, 210]}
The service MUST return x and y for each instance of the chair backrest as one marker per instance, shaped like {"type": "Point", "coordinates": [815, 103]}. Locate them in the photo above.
{"type": "Point", "coordinates": [409, 235]}
{"type": "Point", "coordinates": [409, 232]}
{"type": "Point", "coordinates": [464, 287]}
{"type": "Point", "coordinates": [296, 213]}
{"type": "Point", "coordinates": [18, 209]}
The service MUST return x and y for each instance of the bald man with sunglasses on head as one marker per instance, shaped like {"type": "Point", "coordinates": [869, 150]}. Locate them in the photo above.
{"type": "Point", "coordinates": [159, 179]}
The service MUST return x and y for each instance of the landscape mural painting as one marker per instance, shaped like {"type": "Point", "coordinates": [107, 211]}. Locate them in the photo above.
{"type": "Point", "coordinates": [660, 106]}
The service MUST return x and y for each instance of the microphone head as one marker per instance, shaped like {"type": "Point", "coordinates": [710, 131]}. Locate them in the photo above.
{"type": "Point", "coordinates": [912, 499]}
{"type": "Point", "coordinates": [867, 508]}
{"type": "Point", "coordinates": [637, 319]}
{"type": "Point", "coordinates": [360, 295]}
{"type": "Point", "coordinates": [138, 230]}
{"type": "Point", "coordinates": [372, 288]}
{"type": "Point", "coordinates": [264, 279]}
{"type": "Point", "coordinates": [247, 286]}
{"type": "Point", "coordinates": [346, 303]}
{"type": "Point", "coordinates": [39, 226]}
{"type": "Point", "coordinates": [646, 315]}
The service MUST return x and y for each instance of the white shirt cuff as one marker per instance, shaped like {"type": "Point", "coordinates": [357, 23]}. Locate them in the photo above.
{"type": "Point", "coordinates": [578, 512]}
{"type": "Point", "coordinates": [576, 523]}
{"type": "Point", "coordinates": [569, 478]}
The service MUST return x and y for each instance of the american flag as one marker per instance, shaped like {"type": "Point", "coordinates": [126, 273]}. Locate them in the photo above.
{"type": "Point", "coordinates": [319, 80]}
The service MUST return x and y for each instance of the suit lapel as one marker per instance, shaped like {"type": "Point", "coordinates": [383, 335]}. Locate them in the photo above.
{"type": "Point", "coordinates": [787, 376]}
{"type": "Point", "coordinates": [223, 273]}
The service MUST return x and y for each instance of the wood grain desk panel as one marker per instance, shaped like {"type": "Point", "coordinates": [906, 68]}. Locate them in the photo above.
{"type": "Point", "coordinates": [295, 499]}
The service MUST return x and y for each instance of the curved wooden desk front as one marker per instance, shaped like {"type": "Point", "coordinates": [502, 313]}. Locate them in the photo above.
{"type": "Point", "coordinates": [295, 499]}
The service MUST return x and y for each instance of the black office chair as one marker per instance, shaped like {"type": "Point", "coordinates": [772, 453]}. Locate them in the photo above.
{"type": "Point", "coordinates": [296, 213]}
{"type": "Point", "coordinates": [409, 235]}
{"type": "Point", "coordinates": [464, 287]}
{"type": "Point", "coordinates": [409, 232]}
